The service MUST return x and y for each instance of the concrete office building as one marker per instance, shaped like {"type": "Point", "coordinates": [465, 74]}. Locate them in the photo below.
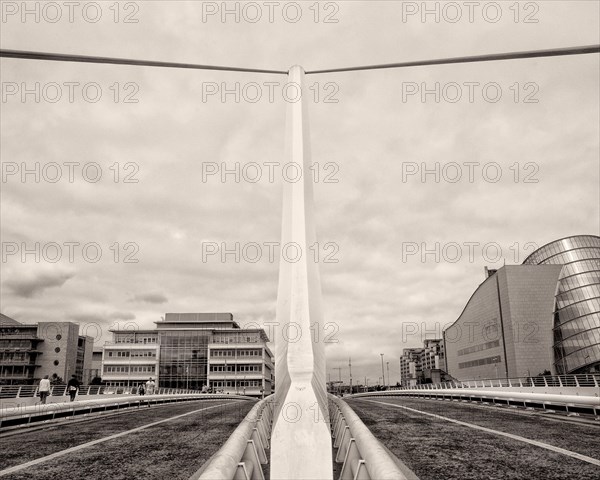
{"type": "Point", "coordinates": [95, 370]}
{"type": "Point", "coordinates": [191, 350]}
{"type": "Point", "coordinates": [505, 330]}
{"type": "Point", "coordinates": [576, 323]}
{"type": "Point", "coordinates": [30, 351]}
{"type": "Point", "coordinates": [423, 365]}
{"type": "Point", "coordinates": [410, 367]}
{"type": "Point", "coordinates": [526, 319]}
{"type": "Point", "coordinates": [131, 358]}
{"type": "Point", "coordinates": [240, 362]}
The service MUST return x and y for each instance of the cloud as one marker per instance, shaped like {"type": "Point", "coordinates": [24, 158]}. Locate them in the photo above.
{"type": "Point", "coordinates": [33, 282]}
{"type": "Point", "coordinates": [375, 292]}
{"type": "Point", "coordinates": [150, 298]}
{"type": "Point", "coordinates": [122, 316]}
{"type": "Point", "coordinates": [99, 316]}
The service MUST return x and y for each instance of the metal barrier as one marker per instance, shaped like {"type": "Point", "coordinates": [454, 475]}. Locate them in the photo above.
{"type": "Point", "coordinates": [241, 457]}
{"type": "Point", "coordinates": [586, 380]}
{"type": "Point", "coordinates": [28, 391]}
{"type": "Point", "coordinates": [363, 456]}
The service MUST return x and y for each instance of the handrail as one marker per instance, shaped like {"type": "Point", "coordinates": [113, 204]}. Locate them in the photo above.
{"type": "Point", "coordinates": [544, 381]}
{"type": "Point", "coordinates": [27, 391]}
{"type": "Point", "coordinates": [243, 453]}
{"type": "Point", "coordinates": [363, 455]}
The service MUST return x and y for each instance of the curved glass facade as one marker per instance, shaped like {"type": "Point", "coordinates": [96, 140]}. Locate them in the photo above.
{"type": "Point", "coordinates": [577, 306]}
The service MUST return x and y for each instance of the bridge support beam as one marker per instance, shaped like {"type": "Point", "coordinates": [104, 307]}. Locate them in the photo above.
{"type": "Point", "coordinates": [301, 437]}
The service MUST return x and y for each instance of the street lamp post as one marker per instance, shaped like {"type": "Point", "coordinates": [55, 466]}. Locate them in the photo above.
{"type": "Point", "coordinates": [388, 372]}
{"type": "Point", "coordinates": [382, 371]}
{"type": "Point", "coordinates": [400, 362]}
{"type": "Point", "coordinates": [350, 368]}
{"type": "Point", "coordinates": [235, 370]}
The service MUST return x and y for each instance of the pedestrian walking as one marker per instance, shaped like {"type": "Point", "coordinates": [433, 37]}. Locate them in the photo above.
{"type": "Point", "coordinates": [142, 392]}
{"type": "Point", "coordinates": [44, 389]}
{"type": "Point", "coordinates": [73, 387]}
{"type": "Point", "coordinates": [150, 386]}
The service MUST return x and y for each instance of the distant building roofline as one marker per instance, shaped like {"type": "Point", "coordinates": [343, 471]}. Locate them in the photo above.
{"type": "Point", "coordinates": [6, 320]}
{"type": "Point", "coordinates": [198, 317]}
{"type": "Point", "coordinates": [556, 241]}
{"type": "Point", "coordinates": [116, 330]}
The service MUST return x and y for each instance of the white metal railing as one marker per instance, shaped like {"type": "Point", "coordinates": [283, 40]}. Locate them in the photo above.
{"type": "Point", "coordinates": [242, 455]}
{"type": "Point", "coordinates": [28, 391]}
{"type": "Point", "coordinates": [363, 456]}
{"type": "Point", "coordinates": [583, 380]}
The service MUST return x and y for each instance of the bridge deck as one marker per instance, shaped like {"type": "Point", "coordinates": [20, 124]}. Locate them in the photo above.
{"type": "Point", "coordinates": [434, 447]}
{"type": "Point", "coordinates": [130, 445]}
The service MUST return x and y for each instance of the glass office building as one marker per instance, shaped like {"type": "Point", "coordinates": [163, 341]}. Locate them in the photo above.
{"type": "Point", "coordinates": [577, 304]}
{"type": "Point", "coordinates": [184, 339]}
{"type": "Point", "coordinates": [183, 358]}
{"type": "Point", "coordinates": [191, 351]}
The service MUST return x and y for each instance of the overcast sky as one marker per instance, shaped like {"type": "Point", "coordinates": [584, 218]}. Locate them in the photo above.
{"type": "Point", "coordinates": [541, 136]}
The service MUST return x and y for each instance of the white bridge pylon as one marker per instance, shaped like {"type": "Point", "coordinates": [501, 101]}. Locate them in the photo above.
{"type": "Point", "coordinates": [301, 437]}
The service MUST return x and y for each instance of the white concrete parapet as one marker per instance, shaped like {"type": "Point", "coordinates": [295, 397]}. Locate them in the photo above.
{"type": "Point", "coordinates": [363, 456]}
{"type": "Point", "coordinates": [585, 399]}
{"type": "Point", "coordinates": [240, 458]}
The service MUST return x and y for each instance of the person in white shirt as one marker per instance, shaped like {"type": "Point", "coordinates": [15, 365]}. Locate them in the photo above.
{"type": "Point", "coordinates": [150, 386]}
{"type": "Point", "coordinates": [44, 389]}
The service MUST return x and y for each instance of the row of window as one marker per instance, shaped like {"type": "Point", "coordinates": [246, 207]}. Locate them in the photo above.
{"type": "Point", "coordinates": [573, 256]}
{"type": "Point", "coordinates": [577, 295]}
{"type": "Point", "coordinates": [131, 338]}
{"type": "Point", "coordinates": [480, 361]}
{"type": "Point", "coordinates": [582, 357]}
{"type": "Point", "coordinates": [581, 267]}
{"type": "Point", "coordinates": [236, 368]}
{"type": "Point", "coordinates": [562, 246]}
{"type": "Point", "coordinates": [238, 383]}
{"type": "Point", "coordinates": [236, 338]}
{"type": "Point", "coordinates": [128, 369]}
{"type": "Point", "coordinates": [11, 357]}
{"type": "Point", "coordinates": [132, 354]}
{"type": "Point", "coordinates": [184, 370]}
{"type": "Point", "coordinates": [24, 344]}
{"type": "Point", "coordinates": [580, 309]}
{"type": "Point", "coordinates": [16, 370]}
{"type": "Point", "coordinates": [583, 339]}
{"type": "Point", "coordinates": [579, 280]}
{"type": "Point", "coordinates": [479, 348]}
{"type": "Point", "coordinates": [236, 353]}
{"type": "Point", "coordinates": [576, 326]}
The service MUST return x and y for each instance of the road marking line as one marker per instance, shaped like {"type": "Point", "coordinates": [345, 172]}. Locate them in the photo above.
{"type": "Point", "coordinates": [569, 453]}
{"type": "Point", "coordinates": [23, 466]}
